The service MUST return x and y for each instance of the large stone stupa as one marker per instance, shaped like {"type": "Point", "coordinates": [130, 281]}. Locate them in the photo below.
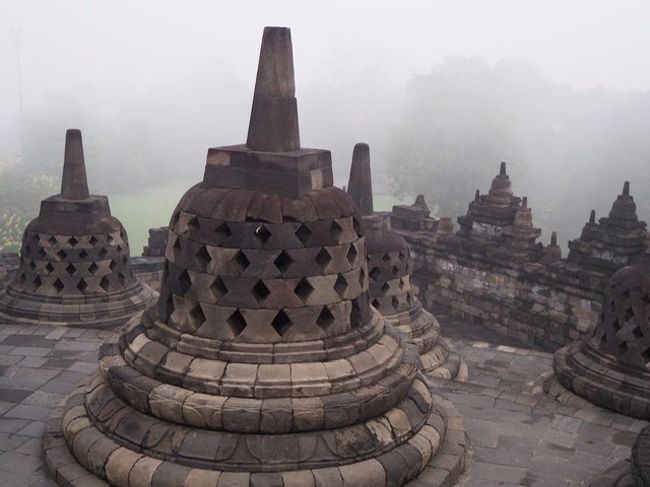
{"type": "Point", "coordinates": [263, 363]}
{"type": "Point", "coordinates": [389, 268]}
{"type": "Point", "coordinates": [74, 261]}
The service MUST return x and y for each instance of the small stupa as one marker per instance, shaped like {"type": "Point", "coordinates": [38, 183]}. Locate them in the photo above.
{"type": "Point", "coordinates": [263, 363]}
{"type": "Point", "coordinates": [389, 267]}
{"type": "Point", "coordinates": [75, 267]}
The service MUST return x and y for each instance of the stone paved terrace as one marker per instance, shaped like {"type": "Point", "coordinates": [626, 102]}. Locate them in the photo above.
{"type": "Point", "coordinates": [515, 438]}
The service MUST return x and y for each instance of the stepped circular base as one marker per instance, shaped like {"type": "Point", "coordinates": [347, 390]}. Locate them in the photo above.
{"type": "Point", "coordinates": [80, 454]}
{"type": "Point", "coordinates": [593, 376]}
{"type": "Point", "coordinates": [641, 458]}
{"type": "Point", "coordinates": [97, 312]}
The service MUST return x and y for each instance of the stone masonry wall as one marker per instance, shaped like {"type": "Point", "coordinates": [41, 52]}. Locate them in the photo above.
{"type": "Point", "coordinates": [546, 305]}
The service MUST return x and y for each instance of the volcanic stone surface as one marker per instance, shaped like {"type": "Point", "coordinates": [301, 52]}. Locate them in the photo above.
{"type": "Point", "coordinates": [612, 367]}
{"type": "Point", "coordinates": [614, 241]}
{"type": "Point", "coordinates": [74, 261]}
{"type": "Point", "coordinates": [389, 269]}
{"type": "Point", "coordinates": [263, 363]}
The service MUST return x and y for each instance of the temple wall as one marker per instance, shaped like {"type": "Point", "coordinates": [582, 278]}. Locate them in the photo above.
{"type": "Point", "coordinates": [545, 305]}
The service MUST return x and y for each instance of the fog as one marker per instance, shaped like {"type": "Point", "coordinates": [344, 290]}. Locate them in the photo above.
{"type": "Point", "coordinates": [441, 90]}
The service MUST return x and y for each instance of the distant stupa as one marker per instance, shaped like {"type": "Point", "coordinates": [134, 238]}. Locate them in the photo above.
{"type": "Point", "coordinates": [74, 261]}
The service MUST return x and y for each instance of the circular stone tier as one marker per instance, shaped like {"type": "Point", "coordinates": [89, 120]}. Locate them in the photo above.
{"type": "Point", "coordinates": [389, 268]}
{"type": "Point", "coordinates": [641, 458]}
{"type": "Point", "coordinates": [612, 367]}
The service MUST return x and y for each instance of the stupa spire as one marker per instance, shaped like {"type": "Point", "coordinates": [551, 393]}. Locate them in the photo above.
{"type": "Point", "coordinates": [274, 116]}
{"type": "Point", "coordinates": [360, 182]}
{"type": "Point", "coordinates": [74, 185]}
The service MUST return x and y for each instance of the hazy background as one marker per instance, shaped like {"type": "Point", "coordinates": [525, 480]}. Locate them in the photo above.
{"type": "Point", "coordinates": [442, 91]}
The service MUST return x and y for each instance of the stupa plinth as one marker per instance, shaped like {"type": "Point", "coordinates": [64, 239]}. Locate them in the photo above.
{"type": "Point", "coordinates": [74, 261]}
{"type": "Point", "coordinates": [263, 363]}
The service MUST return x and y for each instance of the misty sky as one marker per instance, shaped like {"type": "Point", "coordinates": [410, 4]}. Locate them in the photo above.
{"type": "Point", "coordinates": [113, 47]}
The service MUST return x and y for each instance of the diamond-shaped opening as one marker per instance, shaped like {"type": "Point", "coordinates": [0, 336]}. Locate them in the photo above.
{"type": "Point", "coordinates": [36, 238]}
{"type": "Point", "coordinates": [341, 285]}
{"type": "Point", "coordinates": [169, 306]}
{"type": "Point", "coordinates": [603, 339]}
{"type": "Point", "coordinates": [401, 284]}
{"type": "Point", "coordinates": [38, 282]}
{"type": "Point", "coordinates": [193, 223]}
{"type": "Point", "coordinates": [83, 254]}
{"type": "Point", "coordinates": [70, 269]}
{"type": "Point", "coordinates": [103, 252]}
{"type": "Point", "coordinates": [283, 262]}
{"type": "Point", "coordinates": [281, 323]}
{"type": "Point", "coordinates": [352, 254]}
{"type": "Point", "coordinates": [325, 318]}
{"type": "Point", "coordinates": [82, 285]}
{"type": "Point", "coordinates": [323, 258]}
{"type": "Point", "coordinates": [629, 314]}
{"type": "Point", "coordinates": [121, 278]}
{"type": "Point", "coordinates": [203, 257]}
{"type": "Point", "coordinates": [263, 234]}
{"type": "Point", "coordinates": [112, 265]}
{"type": "Point", "coordinates": [241, 261]}
{"type": "Point", "coordinates": [303, 233]}
{"type": "Point", "coordinates": [395, 270]}
{"type": "Point", "coordinates": [58, 285]}
{"type": "Point", "coordinates": [105, 284]}
{"type": "Point", "coordinates": [260, 292]}
{"type": "Point", "coordinates": [49, 268]}
{"type": "Point", "coordinates": [409, 298]}
{"type": "Point", "coordinates": [395, 302]}
{"type": "Point", "coordinates": [336, 230]}
{"type": "Point", "coordinates": [26, 249]}
{"type": "Point", "coordinates": [646, 357]}
{"type": "Point", "coordinates": [175, 218]}
{"type": "Point", "coordinates": [237, 323]}
{"type": "Point", "coordinates": [355, 314]}
{"type": "Point", "coordinates": [93, 240]}
{"type": "Point", "coordinates": [402, 255]}
{"type": "Point", "coordinates": [73, 241]}
{"type": "Point", "coordinates": [61, 254]}
{"type": "Point", "coordinates": [119, 249]}
{"type": "Point", "coordinates": [184, 281]}
{"type": "Point", "coordinates": [304, 289]}
{"type": "Point", "coordinates": [622, 347]}
{"type": "Point", "coordinates": [218, 288]}
{"type": "Point", "coordinates": [356, 224]}
{"type": "Point", "coordinates": [375, 303]}
{"type": "Point", "coordinates": [93, 268]}
{"type": "Point", "coordinates": [176, 247]}
{"type": "Point", "coordinates": [362, 277]}
{"type": "Point", "coordinates": [223, 230]}
{"type": "Point", "coordinates": [384, 288]}
{"type": "Point", "coordinates": [32, 264]}
{"type": "Point", "coordinates": [374, 273]}
{"type": "Point", "coordinates": [110, 238]}
{"type": "Point", "coordinates": [196, 316]}
{"type": "Point", "coordinates": [52, 240]}
{"type": "Point", "coordinates": [616, 325]}
{"type": "Point", "coordinates": [41, 252]}
{"type": "Point", "coordinates": [637, 332]}
{"type": "Point", "coordinates": [386, 258]}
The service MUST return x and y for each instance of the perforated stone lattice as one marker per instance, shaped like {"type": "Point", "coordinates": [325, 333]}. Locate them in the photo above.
{"type": "Point", "coordinates": [293, 277]}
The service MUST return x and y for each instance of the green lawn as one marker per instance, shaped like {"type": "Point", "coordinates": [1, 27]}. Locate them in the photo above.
{"type": "Point", "coordinates": [144, 208]}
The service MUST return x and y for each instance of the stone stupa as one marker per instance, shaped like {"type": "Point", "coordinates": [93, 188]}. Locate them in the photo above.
{"type": "Point", "coordinates": [263, 363]}
{"type": "Point", "coordinates": [614, 241]}
{"type": "Point", "coordinates": [75, 268]}
{"type": "Point", "coordinates": [612, 367]}
{"type": "Point", "coordinates": [389, 269]}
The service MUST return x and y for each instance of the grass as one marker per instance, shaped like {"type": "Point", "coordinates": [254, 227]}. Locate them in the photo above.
{"type": "Point", "coordinates": [145, 208]}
